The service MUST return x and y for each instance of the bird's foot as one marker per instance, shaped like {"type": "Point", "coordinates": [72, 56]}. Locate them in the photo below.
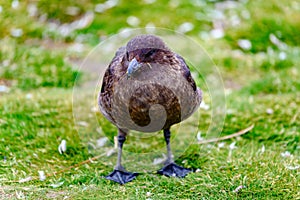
{"type": "Point", "coordinates": [174, 170]}
{"type": "Point", "coordinates": [121, 177]}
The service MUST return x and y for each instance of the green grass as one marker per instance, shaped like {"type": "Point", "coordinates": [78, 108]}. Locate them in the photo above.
{"type": "Point", "coordinates": [37, 113]}
{"type": "Point", "coordinates": [49, 70]}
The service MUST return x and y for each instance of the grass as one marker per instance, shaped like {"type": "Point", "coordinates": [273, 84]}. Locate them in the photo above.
{"type": "Point", "coordinates": [26, 71]}
{"type": "Point", "coordinates": [261, 85]}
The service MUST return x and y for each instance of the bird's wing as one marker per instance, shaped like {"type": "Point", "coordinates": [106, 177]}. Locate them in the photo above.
{"type": "Point", "coordinates": [194, 101]}
{"type": "Point", "coordinates": [185, 70]}
{"type": "Point", "coordinates": [113, 73]}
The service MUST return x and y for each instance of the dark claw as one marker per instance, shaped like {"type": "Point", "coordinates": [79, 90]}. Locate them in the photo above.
{"type": "Point", "coordinates": [121, 177]}
{"type": "Point", "coordinates": [174, 170]}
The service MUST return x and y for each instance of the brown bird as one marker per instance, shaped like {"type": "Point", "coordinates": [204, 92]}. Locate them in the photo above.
{"type": "Point", "coordinates": [147, 88]}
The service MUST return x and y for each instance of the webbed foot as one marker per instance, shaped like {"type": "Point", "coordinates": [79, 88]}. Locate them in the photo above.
{"type": "Point", "coordinates": [174, 170]}
{"type": "Point", "coordinates": [121, 177]}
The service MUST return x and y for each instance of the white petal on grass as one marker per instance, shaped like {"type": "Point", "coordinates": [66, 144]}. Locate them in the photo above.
{"type": "Point", "coordinates": [56, 185]}
{"type": "Point", "coordinates": [16, 32]}
{"type": "Point", "coordinates": [84, 21]}
{"type": "Point", "coordinates": [76, 47]}
{"type": "Point", "coordinates": [218, 15]}
{"type": "Point", "coordinates": [15, 4]}
{"type": "Point", "coordinates": [52, 26]}
{"type": "Point", "coordinates": [28, 96]}
{"type": "Point", "coordinates": [235, 20]}
{"type": "Point", "coordinates": [277, 42]}
{"type": "Point", "coordinates": [204, 35]}
{"type": "Point", "coordinates": [149, 1]}
{"type": "Point", "coordinates": [217, 33]}
{"type": "Point", "coordinates": [158, 161]}
{"type": "Point", "coordinates": [239, 188]}
{"type": "Point", "coordinates": [94, 109]}
{"type": "Point", "coordinates": [198, 170]}
{"type": "Point", "coordinates": [274, 39]}
{"type": "Point", "coordinates": [83, 123]}
{"type": "Point", "coordinates": [32, 10]}
{"type": "Point", "coordinates": [224, 5]}
{"type": "Point", "coordinates": [204, 106]}
{"type": "Point", "coordinates": [148, 194]}
{"type": "Point", "coordinates": [99, 130]}
{"type": "Point", "coordinates": [263, 149]}
{"type": "Point", "coordinates": [221, 145]}
{"type": "Point", "coordinates": [269, 111]}
{"type": "Point", "coordinates": [174, 3]}
{"type": "Point", "coordinates": [195, 74]}
{"type": "Point", "coordinates": [42, 175]}
{"type": "Point", "coordinates": [43, 18]}
{"type": "Point", "coordinates": [111, 3]}
{"type": "Point", "coordinates": [1, 9]}
{"type": "Point", "coordinates": [80, 38]}
{"type": "Point", "coordinates": [101, 7]}
{"type": "Point", "coordinates": [4, 88]}
{"type": "Point", "coordinates": [62, 147]}
{"type": "Point", "coordinates": [230, 111]}
{"type": "Point", "coordinates": [199, 138]}
{"type": "Point", "coordinates": [286, 154]}
{"type": "Point", "coordinates": [2, 121]}
{"type": "Point", "coordinates": [65, 30]}
{"type": "Point", "coordinates": [245, 44]}
{"type": "Point", "coordinates": [110, 152]}
{"type": "Point", "coordinates": [292, 167]}
{"type": "Point", "coordinates": [282, 55]}
{"type": "Point", "coordinates": [232, 146]}
{"type": "Point", "coordinates": [91, 160]}
{"type": "Point", "coordinates": [25, 179]}
{"type": "Point", "coordinates": [185, 27]}
{"type": "Point", "coordinates": [101, 142]}
{"type": "Point", "coordinates": [198, 3]}
{"type": "Point", "coordinates": [133, 21]}
{"type": "Point", "coordinates": [72, 10]}
{"type": "Point", "coordinates": [20, 195]}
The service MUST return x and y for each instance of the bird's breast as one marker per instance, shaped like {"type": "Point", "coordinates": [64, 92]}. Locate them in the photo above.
{"type": "Point", "coordinates": [155, 98]}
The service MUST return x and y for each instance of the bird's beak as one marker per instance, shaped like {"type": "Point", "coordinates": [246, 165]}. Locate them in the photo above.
{"type": "Point", "coordinates": [133, 66]}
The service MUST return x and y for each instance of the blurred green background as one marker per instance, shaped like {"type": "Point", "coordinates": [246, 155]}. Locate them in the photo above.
{"type": "Point", "coordinates": [254, 43]}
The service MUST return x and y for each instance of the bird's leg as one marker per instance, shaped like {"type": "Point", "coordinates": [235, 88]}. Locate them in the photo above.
{"type": "Point", "coordinates": [170, 168]}
{"type": "Point", "coordinates": [167, 135]}
{"type": "Point", "coordinates": [120, 175]}
{"type": "Point", "coordinates": [121, 140]}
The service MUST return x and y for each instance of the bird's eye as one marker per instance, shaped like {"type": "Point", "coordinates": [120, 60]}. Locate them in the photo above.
{"type": "Point", "coordinates": [151, 52]}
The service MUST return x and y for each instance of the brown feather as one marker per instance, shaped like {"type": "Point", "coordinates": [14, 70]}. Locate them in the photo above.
{"type": "Point", "coordinates": [161, 93]}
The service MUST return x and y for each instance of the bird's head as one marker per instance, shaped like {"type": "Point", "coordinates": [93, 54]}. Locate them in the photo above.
{"type": "Point", "coordinates": [142, 50]}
